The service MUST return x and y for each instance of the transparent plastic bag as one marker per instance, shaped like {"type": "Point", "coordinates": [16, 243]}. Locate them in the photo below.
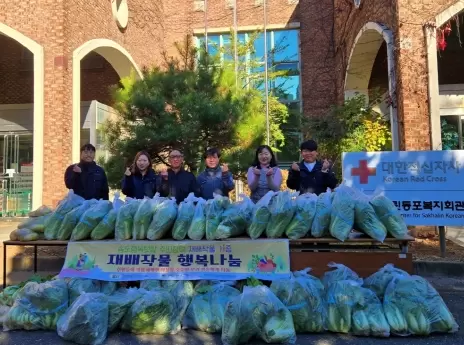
{"type": "Point", "coordinates": [38, 306]}
{"type": "Point", "coordinates": [321, 222]}
{"type": "Point", "coordinates": [366, 220]}
{"type": "Point", "coordinates": [304, 297]}
{"type": "Point", "coordinates": [108, 288]}
{"type": "Point", "coordinates": [119, 303]}
{"type": "Point", "coordinates": [163, 219]}
{"type": "Point", "coordinates": [257, 312]}
{"type": "Point", "coordinates": [125, 219]}
{"type": "Point", "coordinates": [342, 296]}
{"type": "Point", "coordinates": [282, 211]}
{"type": "Point", "coordinates": [340, 272]}
{"type": "Point", "coordinates": [144, 216]}
{"type": "Point", "coordinates": [40, 212]}
{"type": "Point", "coordinates": [183, 292]}
{"type": "Point", "coordinates": [36, 224]}
{"type": "Point", "coordinates": [342, 216]}
{"type": "Point", "coordinates": [86, 321]}
{"type": "Point", "coordinates": [150, 284]}
{"type": "Point", "coordinates": [214, 209]}
{"type": "Point", "coordinates": [304, 216]}
{"type": "Point", "coordinates": [26, 235]}
{"type": "Point", "coordinates": [413, 307]}
{"type": "Point", "coordinates": [90, 219]}
{"type": "Point", "coordinates": [390, 216]}
{"type": "Point", "coordinates": [378, 282]}
{"type": "Point", "coordinates": [368, 318]}
{"type": "Point", "coordinates": [155, 312]}
{"type": "Point", "coordinates": [260, 216]}
{"type": "Point", "coordinates": [8, 295]}
{"type": "Point", "coordinates": [105, 229]}
{"type": "Point", "coordinates": [184, 217]}
{"type": "Point", "coordinates": [235, 219]}
{"type": "Point", "coordinates": [197, 228]}
{"type": "Point", "coordinates": [4, 309]}
{"type": "Point", "coordinates": [53, 223]}
{"type": "Point", "coordinates": [71, 219]}
{"type": "Point", "coordinates": [206, 311]}
{"type": "Point", "coordinates": [78, 286]}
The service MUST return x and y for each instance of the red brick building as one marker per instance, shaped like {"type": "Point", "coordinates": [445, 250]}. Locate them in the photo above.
{"type": "Point", "coordinates": [58, 57]}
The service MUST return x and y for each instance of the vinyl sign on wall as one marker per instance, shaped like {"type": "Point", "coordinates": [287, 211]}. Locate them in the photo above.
{"type": "Point", "coordinates": [426, 186]}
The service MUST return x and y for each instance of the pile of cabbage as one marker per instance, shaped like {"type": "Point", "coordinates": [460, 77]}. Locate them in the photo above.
{"type": "Point", "coordinates": [278, 214]}
{"type": "Point", "coordinates": [389, 302]}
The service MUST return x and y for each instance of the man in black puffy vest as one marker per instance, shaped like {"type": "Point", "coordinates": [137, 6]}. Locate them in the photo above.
{"type": "Point", "coordinates": [86, 178]}
{"type": "Point", "coordinates": [311, 175]}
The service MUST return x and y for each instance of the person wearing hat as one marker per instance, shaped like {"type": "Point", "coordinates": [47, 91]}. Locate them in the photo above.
{"type": "Point", "coordinates": [311, 175]}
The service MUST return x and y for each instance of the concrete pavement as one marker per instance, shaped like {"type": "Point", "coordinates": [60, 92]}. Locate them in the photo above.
{"type": "Point", "coordinates": [455, 234]}
{"type": "Point", "coordinates": [454, 299]}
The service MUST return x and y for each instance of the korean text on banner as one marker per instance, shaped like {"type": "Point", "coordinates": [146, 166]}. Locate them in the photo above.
{"type": "Point", "coordinates": [426, 186]}
{"type": "Point", "coordinates": [177, 260]}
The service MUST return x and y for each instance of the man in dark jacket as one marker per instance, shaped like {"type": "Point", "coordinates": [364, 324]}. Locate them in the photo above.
{"type": "Point", "coordinates": [216, 178]}
{"type": "Point", "coordinates": [86, 178]}
{"type": "Point", "coordinates": [311, 175]}
{"type": "Point", "coordinates": [175, 181]}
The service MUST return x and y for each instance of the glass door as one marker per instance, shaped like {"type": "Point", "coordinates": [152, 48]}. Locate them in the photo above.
{"type": "Point", "coordinates": [16, 159]}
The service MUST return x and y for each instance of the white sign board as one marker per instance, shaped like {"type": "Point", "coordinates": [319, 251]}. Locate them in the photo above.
{"type": "Point", "coordinates": [426, 186]}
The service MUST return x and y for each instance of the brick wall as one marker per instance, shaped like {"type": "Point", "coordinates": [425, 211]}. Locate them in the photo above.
{"type": "Point", "coordinates": [348, 23]}
{"type": "Point", "coordinates": [60, 27]}
{"type": "Point", "coordinates": [327, 32]}
{"type": "Point", "coordinates": [406, 19]}
{"type": "Point", "coordinates": [316, 21]}
{"type": "Point", "coordinates": [16, 73]}
{"type": "Point", "coordinates": [97, 77]}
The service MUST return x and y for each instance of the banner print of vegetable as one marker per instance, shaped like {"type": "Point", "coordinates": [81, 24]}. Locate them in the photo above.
{"type": "Point", "coordinates": [266, 265]}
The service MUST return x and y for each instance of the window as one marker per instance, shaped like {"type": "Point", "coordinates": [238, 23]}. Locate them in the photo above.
{"type": "Point", "coordinates": [283, 72]}
{"type": "Point", "coordinates": [452, 132]}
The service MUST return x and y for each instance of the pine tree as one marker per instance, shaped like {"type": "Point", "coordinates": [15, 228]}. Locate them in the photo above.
{"type": "Point", "coordinates": [190, 104]}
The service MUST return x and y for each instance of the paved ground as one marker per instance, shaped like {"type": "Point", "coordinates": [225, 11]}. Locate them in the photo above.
{"type": "Point", "coordinates": [455, 234]}
{"type": "Point", "coordinates": [454, 299]}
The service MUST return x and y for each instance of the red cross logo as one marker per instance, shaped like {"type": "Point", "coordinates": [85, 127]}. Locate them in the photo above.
{"type": "Point", "coordinates": [363, 171]}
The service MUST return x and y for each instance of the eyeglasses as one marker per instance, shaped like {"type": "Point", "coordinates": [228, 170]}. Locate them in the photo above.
{"type": "Point", "coordinates": [176, 157]}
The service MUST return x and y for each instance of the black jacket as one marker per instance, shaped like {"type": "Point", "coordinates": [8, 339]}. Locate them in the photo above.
{"type": "Point", "coordinates": [314, 181]}
{"type": "Point", "coordinates": [138, 186]}
{"type": "Point", "coordinates": [178, 185]}
{"type": "Point", "coordinates": [91, 183]}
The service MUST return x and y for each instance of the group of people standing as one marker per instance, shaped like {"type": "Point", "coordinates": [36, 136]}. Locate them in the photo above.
{"type": "Point", "coordinates": [89, 180]}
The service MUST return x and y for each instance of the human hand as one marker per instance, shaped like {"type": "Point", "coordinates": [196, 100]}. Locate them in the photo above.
{"type": "Point", "coordinates": [270, 172]}
{"type": "Point", "coordinates": [256, 171]}
{"type": "Point", "coordinates": [77, 169]}
{"type": "Point", "coordinates": [164, 174]}
{"type": "Point", "coordinates": [325, 165]}
{"type": "Point", "coordinates": [128, 172]}
{"type": "Point", "coordinates": [225, 168]}
{"type": "Point", "coordinates": [295, 166]}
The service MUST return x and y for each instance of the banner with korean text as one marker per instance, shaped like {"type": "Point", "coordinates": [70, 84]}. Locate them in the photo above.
{"type": "Point", "coordinates": [177, 260]}
{"type": "Point", "coordinates": [426, 186]}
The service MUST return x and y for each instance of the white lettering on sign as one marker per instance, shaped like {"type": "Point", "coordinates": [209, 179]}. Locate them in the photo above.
{"type": "Point", "coordinates": [426, 186]}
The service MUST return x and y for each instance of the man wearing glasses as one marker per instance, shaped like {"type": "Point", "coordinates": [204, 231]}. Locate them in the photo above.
{"type": "Point", "coordinates": [311, 175]}
{"type": "Point", "coordinates": [176, 181]}
{"type": "Point", "coordinates": [86, 178]}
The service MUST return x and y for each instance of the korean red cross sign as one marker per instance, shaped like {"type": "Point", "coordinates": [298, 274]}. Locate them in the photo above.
{"type": "Point", "coordinates": [426, 186]}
